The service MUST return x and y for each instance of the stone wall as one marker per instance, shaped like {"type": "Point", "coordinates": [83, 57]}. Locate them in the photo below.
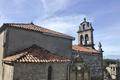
{"type": "Point", "coordinates": [19, 39]}
{"type": "Point", "coordinates": [79, 71]}
{"type": "Point", "coordinates": [94, 61]}
{"type": "Point", "coordinates": [39, 71]}
{"type": "Point", "coordinates": [8, 72]}
{"type": "Point", "coordinates": [2, 36]}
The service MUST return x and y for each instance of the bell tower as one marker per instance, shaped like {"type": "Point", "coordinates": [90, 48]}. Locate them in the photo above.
{"type": "Point", "coordinates": [85, 34]}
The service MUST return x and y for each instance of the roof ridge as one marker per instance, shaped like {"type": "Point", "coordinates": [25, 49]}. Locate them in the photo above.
{"type": "Point", "coordinates": [18, 23]}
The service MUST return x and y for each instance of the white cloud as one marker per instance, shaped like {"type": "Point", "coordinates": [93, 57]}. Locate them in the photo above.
{"type": "Point", "coordinates": [109, 36]}
{"type": "Point", "coordinates": [51, 6]}
{"type": "Point", "coordinates": [65, 24]}
{"type": "Point", "coordinates": [3, 19]}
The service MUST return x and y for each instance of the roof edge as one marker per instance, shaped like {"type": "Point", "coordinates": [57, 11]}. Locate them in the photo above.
{"type": "Point", "coordinates": [18, 55]}
{"type": "Point", "coordinates": [5, 25]}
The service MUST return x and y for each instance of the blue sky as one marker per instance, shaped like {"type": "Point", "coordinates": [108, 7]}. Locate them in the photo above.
{"type": "Point", "coordinates": [66, 15]}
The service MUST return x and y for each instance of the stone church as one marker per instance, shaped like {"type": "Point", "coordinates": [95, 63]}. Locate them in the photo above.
{"type": "Point", "coordinates": [31, 52]}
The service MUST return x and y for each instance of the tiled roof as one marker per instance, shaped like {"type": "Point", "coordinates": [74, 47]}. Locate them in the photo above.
{"type": "Point", "coordinates": [36, 28]}
{"type": "Point", "coordinates": [35, 54]}
{"type": "Point", "coordinates": [83, 49]}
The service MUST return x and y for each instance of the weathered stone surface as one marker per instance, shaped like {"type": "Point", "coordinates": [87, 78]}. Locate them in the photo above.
{"type": "Point", "coordinates": [31, 71]}
{"type": "Point", "coordinates": [8, 71]}
{"type": "Point", "coordinates": [2, 39]}
{"type": "Point", "coordinates": [20, 39]}
{"type": "Point", "coordinates": [95, 64]}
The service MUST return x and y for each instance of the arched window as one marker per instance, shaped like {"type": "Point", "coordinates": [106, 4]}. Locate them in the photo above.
{"type": "Point", "coordinates": [83, 26]}
{"type": "Point", "coordinates": [76, 73]}
{"type": "Point", "coordinates": [81, 39]}
{"type": "Point", "coordinates": [49, 73]}
{"type": "Point", "coordinates": [88, 24]}
{"type": "Point", "coordinates": [86, 39]}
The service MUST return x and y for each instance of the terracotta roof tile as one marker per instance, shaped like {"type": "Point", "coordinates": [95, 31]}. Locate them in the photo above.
{"type": "Point", "coordinates": [35, 54]}
{"type": "Point", "coordinates": [80, 48]}
{"type": "Point", "coordinates": [37, 29]}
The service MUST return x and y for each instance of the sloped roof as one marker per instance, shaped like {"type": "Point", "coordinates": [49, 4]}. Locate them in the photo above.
{"type": "Point", "coordinates": [33, 27]}
{"type": "Point", "coordinates": [83, 49]}
{"type": "Point", "coordinates": [35, 54]}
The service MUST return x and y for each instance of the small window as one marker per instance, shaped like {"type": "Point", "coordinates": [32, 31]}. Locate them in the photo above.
{"type": "Point", "coordinates": [83, 26]}
{"type": "Point", "coordinates": [88, 24]}
{"type": "Point", "coordinates": [4, 39]}
{"type": "Point", "coordinates": [113, 68]}
{"type": "Point", "coordinates": [81, 39]}
{"type": "Point", "coordinates": [49, 73]}
{"type": "Point", "coordinates": [86, 39]}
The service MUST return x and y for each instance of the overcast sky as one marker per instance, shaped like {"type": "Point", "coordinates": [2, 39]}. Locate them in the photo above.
{"type": "Point", "coordinates": [66, 15]}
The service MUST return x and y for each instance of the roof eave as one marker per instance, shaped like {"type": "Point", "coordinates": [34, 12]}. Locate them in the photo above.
{"type": "Point", "coordinates": [5, 25]}
{"type": "Point", "coordinates": [92, 53]}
